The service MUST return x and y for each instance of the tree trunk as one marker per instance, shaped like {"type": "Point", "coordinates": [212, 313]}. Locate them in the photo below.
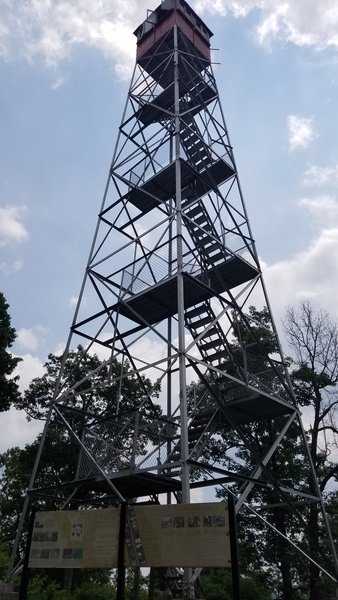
{"type": "Point", "coordinates": [136, 583]}
{"type": "Point", "coordinates": [314, 573]}
{"type": "Point", "coordinates": [68, 579]}
{"type": "Point", "coordinates": [283, 555]}
{"type": "Point", "coordinates": [152, 581]}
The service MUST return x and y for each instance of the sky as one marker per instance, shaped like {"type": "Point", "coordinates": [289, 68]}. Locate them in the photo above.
{"type": "Point", "coordinates": [65, 67]}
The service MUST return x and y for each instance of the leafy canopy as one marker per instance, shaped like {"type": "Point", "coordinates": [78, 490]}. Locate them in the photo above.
{"type": "Point", "coordinates": [9, 391]}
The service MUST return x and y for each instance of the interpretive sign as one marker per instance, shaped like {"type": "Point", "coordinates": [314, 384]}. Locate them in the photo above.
{"type": "Point", "coordinates": [75, 539]}
{"type": "Point", "coordinates": [185, 535]}
{"type": "Point", "coordinates": [174, 535]}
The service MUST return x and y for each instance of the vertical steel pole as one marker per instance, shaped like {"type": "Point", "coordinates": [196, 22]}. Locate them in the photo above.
{"type": "Point", "coordinates": [180, 288]}
{"type": "Point", "coordinates": [120, 585]}
{"type": "Point", "coordinates": [27, 498]}
{"type": "Point", "coordinates": [187, 580]}
{"type": "Point", "coordinates": [25, 570]}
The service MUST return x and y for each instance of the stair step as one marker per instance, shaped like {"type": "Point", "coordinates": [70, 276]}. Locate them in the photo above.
{"type": "Point", "coordinates": [198, 310]}
{"type": "Point", "coordinates": [212, 331]}
{"type": "Point", "coordinates": [201, 322]}
{"type": "Point", "coordinates": [187, 135]}
{"type": "Point", "coordinates": [199, 426]}
{"type": "Point", "coordinates": [205, 412]}
{"type": "Point", "coordinates": [227, 384]}
{"type": "Point", "coordinates": [199, 420]}
{"type": "Point", "coordinates": [202, 238]}
{"type": "Point", "coordinates": [196, 144]}
{"type": "Point", "coordinates": [210, 345]}
{"type": "Point", "coordinates": [201, 219]}
{"type": "Point", "coordinates": [204, 162]}
{"type": "Point", "coordinates": [229, 364]}
{"type": "Point", "coordinates": [194, 434]}
{"type": "Point", "coordinates": [211, 249]}
{"type": "Point", "coordinates": [196, 150]}
{"type": "Point", "coordinates": [217, 257]}
{"type": "Point", "coordinates": [218, 355]}
{"type": "Point", "coordinates": [193, 210]}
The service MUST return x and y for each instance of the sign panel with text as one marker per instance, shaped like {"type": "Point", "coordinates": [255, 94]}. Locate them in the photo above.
{"type": "Point", "coordinates": [173, 535]}
{"type": "Point", "coordinates": [75, 539]}
{"type": "Point", "coordinates": [179, 535]}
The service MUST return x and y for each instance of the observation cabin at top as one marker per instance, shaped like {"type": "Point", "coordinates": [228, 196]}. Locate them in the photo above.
{"type": "Point", "coordinates": [162, 20]}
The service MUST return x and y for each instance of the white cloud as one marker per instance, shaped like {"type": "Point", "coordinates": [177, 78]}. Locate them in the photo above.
{"type": "Point", "coordinates": [11, 227]}
{"type": "Point", "coordinates": [303, 23]}
{"type": "Point", "coordinates": [311, 273]}
{"type": "Point", "coordinates": [50, 30]}
{"type": "Point", "coordinates": [58, 83]}
{"type": "Point", "coordinates": [4, 34]}
{"type": "Point", "coordinates": [323, 208]}
{"type": "Point", "coordinates": [59, 349]}
{"type": "Point", "coordinates": [300, 132]}
{"type": "Point", "coordinates": [73, 301]}
{"type": "Point", "coordinates": [28, 368]}
{"type": "Point", "coordinates": [8, 269]}
{"type": "Point", "coordinates": [27, 338]}
{"type": "Point", "coordinates": [17, 265]}
{"type": "Point", "coordinates": [15, 430]}
{"type": "Point", "coordinates": [316, 175]}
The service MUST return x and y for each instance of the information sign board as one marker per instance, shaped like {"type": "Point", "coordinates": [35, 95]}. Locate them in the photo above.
{"type": "Point", "coordinates": [173, 535]}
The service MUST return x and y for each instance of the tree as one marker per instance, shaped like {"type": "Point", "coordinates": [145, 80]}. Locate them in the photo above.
{"type": "Point", "coordinates": [9, 391]}
{"type": "Point", "coordinates": [106, 396]}
{"type": "Point", "coordinates": [92, 400]}
{"type": "Point", "coordinates": [4, 558]}
{"type": "Point", "coordinates": [216, 584]}
{"type": "Point", "coordinates": [261, 549]}
{"type": "Point", "coordinates": [95, 384]}
{"type": "Point", "coordinates": [57, 465]}
{"type": "Point", "coordinates": [313, 339]}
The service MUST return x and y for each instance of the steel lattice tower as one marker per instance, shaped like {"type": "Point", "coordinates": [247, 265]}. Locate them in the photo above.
{"type": "Point", "coordinates": [171, 276]}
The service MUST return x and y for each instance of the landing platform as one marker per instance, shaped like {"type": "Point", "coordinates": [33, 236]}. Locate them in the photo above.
{"type": "Point", "coordinates": [129, 485]}
{"type": "Point", "coordinates": [200, 95]}
{"type": "Point", "coordinates": [159, 302]}
{"type": "Point", "coordinates": [136, 485]}
{"type": "Point", "coordinates": [162, 186]}
{"type": "Point", "coordinates": [255, 406]}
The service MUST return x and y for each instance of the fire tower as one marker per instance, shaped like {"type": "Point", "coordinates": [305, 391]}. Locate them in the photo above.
{"type": "Point", "coordinates": [172, 274]}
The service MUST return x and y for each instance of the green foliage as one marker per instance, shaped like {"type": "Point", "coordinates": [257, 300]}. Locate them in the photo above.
{"type": "Point", "coordinates": [43, 588]}
{"type": "Point", "coordinates": [59, 459]}
{"type": "Point", "coordinates": [90, 590]}
{"type": "Point", "coordinates": [85, 373]}
{"type": "Point", "coordinates": [87, 585]}
{"type": "Point", "coordinates": [9, 391]}
{"type": "Point", "coordinates": [216, 584]}
{"type": "Point", "coordinates": [57, 464]}
{"type": "Point", "coordinates": [15, 467]}
{"type": "Point", "coordinates": [255, 330]}
{"type": "Point", "coordinates": [4, 559]}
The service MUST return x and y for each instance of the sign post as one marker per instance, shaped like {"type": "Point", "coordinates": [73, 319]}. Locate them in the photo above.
{"type": "Point", "coordinates": [25, 571]}
{"type": "Point", "coordinates": [234, 549]}
{"type": "Point", "coordinates": [120, 556]}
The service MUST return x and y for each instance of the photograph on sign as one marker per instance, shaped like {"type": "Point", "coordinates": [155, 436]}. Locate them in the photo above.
{"type": "Point", "coordinates": [75, 539]}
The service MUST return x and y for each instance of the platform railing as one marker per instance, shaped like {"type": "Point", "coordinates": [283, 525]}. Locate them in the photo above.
{"type": "Point", "coordinates": [151, 270]}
